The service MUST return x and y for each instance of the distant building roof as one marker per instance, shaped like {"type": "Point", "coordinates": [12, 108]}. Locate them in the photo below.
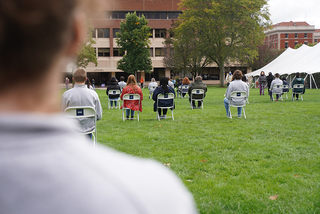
{"type": "Point", "coordinates": [291, 23]}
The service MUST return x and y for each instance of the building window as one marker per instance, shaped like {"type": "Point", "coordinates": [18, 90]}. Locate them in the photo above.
{"type": "Point", "coordinates": [160, 16]}
{"type": "Point", "coordinates": [119, 15]}
{"type": "Point", "coordinates": [93, 33]}
{"type": "Point", "coordinates": [160, 52]}
{"type": "Point", "coordinates": [116, 52]}
{"type": "Point", "coordinates": [286, 45]}
{"type": "Point", "coordinates": [306, 42]}
{"type": "Point", "coordinates": [305, 35]}
{"type": "Point", "coordinates": [103, 33]}
{"type": "Point", "coordinates": [103, 52]}
{"type": "Point", "coordinates": [115, 30]}
{"type": "Point", "coordinates": [174, 15]}
{"type": "Point", "coordinates": [151, 52]}
{"type": "Point", "coordinates": [160, 33]}
{"type": "Point", "coordinates": [295, 35]}
{"type": "Point", "coordinates": [316, 40]}
{"type": "Point", "coordinates": [295, 43]}
{"type": "Point", "coordinates": [286, 35]}
{"type": "Point", "coordinates": [151, 33]}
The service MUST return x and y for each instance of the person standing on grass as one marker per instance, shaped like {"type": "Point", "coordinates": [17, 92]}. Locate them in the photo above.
{"type": "Point", "coordinates": [262, 82]}
{"type": "Point", "coordinates": [94, 84]}
{"type": "Point", "coordinates": [132, 105]}
{"type": "Point", "coordinates": [276, 81]}
{"type": "Point", "coordinates": [236, 85]}
{"type": "Point", "coordinates": [270, 78]}
{"type": "Point", "coordinates": [141, 82]}
{"type": "Point", "coordinates": [45, 165]}
{"type": "Point", "coordinates": [164, 88]}
{"type": "Point", "coordinates": [229, 78]}
{"type": "Point", "coordinates": [67, 83]}
{"type": "Point", "coordinates": [80, 95]}
{"type": "Point", "coordinates": [113, 97]}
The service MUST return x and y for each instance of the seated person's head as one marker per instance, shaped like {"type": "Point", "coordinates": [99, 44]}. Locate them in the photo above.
{"type": "Point", "coordinates": [186, 81]}
{"type": "Point", "coordinates": [198, 78]}
{"type": "Point", "coordinates": [297, 75]}
{"type": "Point", "coordinates": [277, 75]}
{"type": "Point", "coordinates": [80, 76]}
{"type": "Point", "coordinates": [237, 75]}
{"type": "Point", "coordinates": [153, 80]}
{"type": "Point", "coordinates": [131, 80]}
{"type": "Point", "coordinates": [284, 79]}
{"type": "Point", "coordinates": [121, 78]}
{"type": "Point", "coordinates": [113, 79]}
{"type": "Point", "coordinates": [244, 78]}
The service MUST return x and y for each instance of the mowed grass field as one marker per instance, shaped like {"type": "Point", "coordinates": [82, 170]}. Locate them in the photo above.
{"type": "Point", "coordinates": [231, 165]}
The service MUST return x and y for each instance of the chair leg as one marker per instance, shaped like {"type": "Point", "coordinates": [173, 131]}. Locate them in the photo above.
{"type": "Point", "coordinates": [230, 115]}
{"type": "Point", "coordinates": [172, 114]}
{"type": "Point", "coordinates": [138, 115]}
{"type": "Point", "coordinates": [244, 113]}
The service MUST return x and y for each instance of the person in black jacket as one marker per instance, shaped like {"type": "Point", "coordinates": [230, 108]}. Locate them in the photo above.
{"type": "Point", "coordinates": [270, 78]}
{"type": "Point", "coordinates": [162, 89]}
{"type": "Point", "coordinates": [113, 86]}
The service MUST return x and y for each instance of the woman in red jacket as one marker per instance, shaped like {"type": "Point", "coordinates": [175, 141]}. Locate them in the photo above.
{"type": "Point", "coordinates": [132, 105]}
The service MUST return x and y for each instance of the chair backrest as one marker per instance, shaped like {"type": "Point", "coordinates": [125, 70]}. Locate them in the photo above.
{"type": "Point", "coordinates": [185, 88]}
{"type": "Point", "coordinates": [298, 86]}
{"type": "Point", "coordinates": [152, 88]}
{"type": "Point", "coordinates": [114, 92]}
{"type": "Point", "coordinates": [285, 86]}
{"type": "Point", "coordinates": [197, 92]}
{"type": "Point", "coordinates": [168, 96]}
{"type": "Point", "coordinates": [80, 112]}
{"type": "Point", "coordinates": [239, 94]}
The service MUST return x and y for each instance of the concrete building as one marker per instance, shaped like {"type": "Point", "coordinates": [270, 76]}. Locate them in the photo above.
{"type": "Point", "coordinates": [289, 34]}
{"type": "Point", "coordinates": [160, 15]}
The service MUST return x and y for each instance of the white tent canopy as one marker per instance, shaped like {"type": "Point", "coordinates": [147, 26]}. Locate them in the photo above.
{"type": "Point", "coordinates": [304, 60]}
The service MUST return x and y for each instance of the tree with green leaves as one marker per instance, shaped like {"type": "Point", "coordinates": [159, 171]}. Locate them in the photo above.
{"type": "Point", "coordinates": [87, 53]}
{"type": "Point", "coordinates": [227, 30]}
{"type": "Point", "coordinates": [133, 40]}
{"type": "Point", "coordinates": [309, 44]}
{"type": "Point", "coordinates": [183, 51]}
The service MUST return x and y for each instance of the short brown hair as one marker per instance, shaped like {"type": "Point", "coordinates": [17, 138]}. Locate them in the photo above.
{"type": "Point", "coordinates": [33, 32]}
{"type": "Point", "coordinates": [237, 75]}
{"type": "Point", "coordinates": [80, 75]}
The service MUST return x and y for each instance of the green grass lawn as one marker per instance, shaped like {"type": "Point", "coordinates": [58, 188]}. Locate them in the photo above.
{"type": "Point", "coordinates": [231, 165]}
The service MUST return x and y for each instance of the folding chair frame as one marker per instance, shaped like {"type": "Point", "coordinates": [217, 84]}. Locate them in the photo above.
{"type": "Point", "coordinates": [151, 90]}
{"type": "Point", "coordinates": [84, 112]}
{"type": "Point", "coordinates": [165, 97]}
{"type": "Point", "coordinates": [114, 92]}
{"type": "Point", "coordinates": [283, 88]}
{"type": "Point", "coordinates": [197, 92]}
{"type": "Point", "coordinates": [130, 97]}
{"type": "Point", "coordinates": [238, 94]}
{"type": "Point", "coordinates": [299, 86]}
{"type": "Point", "coordinates": [184, 87]}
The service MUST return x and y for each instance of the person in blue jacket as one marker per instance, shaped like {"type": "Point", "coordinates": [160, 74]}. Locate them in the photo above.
{"type": "Point", "coordinates": [162, 89]}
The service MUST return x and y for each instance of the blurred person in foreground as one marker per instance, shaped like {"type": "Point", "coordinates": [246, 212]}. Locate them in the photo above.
{"type": "Point", "coordinates": [45, 165]}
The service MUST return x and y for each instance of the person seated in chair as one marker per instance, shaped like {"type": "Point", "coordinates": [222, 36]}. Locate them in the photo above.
{"type": "Point", "coordinates": [185, 82]}
{"type": "Point", "coordinates": [236, 85]}
{"type": "Point", "coordinates": [113, 85]}
{"type": "Point", "coordinates": [162, 89]}
{"type": "Point", "coordinates": [284, 82]}
{"type": "Point", "coordinates": [80, 95]}
{"type": "Point", "coordinates": [274, 82]}
{"type": "Point", "coordinates": [197, 84]}
{"type": "Point", "coordinates": [152, 85]}
{"type": "Point", "coordinates": [298, 80]}
{"type": "Point", "coordinates": [122, 83]}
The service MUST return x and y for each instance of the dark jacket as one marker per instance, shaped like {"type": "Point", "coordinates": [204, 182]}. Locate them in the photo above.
{"type": "Point", "coordinates": [262, 79]}
{"type": "Point", "coordinates": [164, 103]}
{"type": "Point", "coordinates": [198, 84]}
{"type": "Point", "coordinates": [113, 86]}
{"type": "Point", "coordinates": [270, 78]}
{"type": "Point", "coordinates": [285, 83]}
{"type": "Point", "coordinates": [298, 81]}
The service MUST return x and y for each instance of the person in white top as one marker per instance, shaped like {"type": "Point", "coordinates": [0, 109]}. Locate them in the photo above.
{"type": "Point", "coordinates": [46, 166]}
{"type": "Point", "coordinates": [274, 82]}
{"type": "Point", "coordinates": [122, 83]}
{"type": "Point", "coordinates": [152, 86]}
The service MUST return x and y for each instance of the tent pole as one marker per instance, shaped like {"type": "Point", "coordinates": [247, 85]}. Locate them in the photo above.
{"type": "Point", "coordinates": [305, 78]}
{"type": "Point", "coordinates": [314, 82]}
{"type": "Point", "coordinates": [310, 81]}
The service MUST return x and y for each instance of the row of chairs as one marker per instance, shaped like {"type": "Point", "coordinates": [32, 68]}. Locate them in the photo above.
{"type": "Point", "coordinates": [283, 90]}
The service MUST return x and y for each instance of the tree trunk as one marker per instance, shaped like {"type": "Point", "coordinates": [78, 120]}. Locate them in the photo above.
{"type": "Point", "coordinates": [221, 67]}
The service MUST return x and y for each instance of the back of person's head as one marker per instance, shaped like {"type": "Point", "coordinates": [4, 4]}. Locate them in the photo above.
{"type": "Point", "coordinates": [244, 78]}
{"type": "Point", "coordinates": [198, 78]}
{"type": "Point", "coordinates": [131, 80]}
{"type": "Point", "coordinates": [237, 75]}
{"type": "Point", "coordinates": [35, 33]}
{"type": "Point", "coordinates": [164, 84]}
{"type": "Point", "coordinates": [277, 75]}
{"type": "Point", "coordinates": [186, 81]}
{"type": "Point", "coordinates": [153, 80]}
{"type": "Point", "coordinates": [284, 79]}
{"type": "Point", "coordinates": [297, 75]}
{"type": "Point", "coordinates": [80, 75]}
{"type": "Point", "coordinates": [113, 79]}
{"type": "Point", "coordinates": [122, 78]}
